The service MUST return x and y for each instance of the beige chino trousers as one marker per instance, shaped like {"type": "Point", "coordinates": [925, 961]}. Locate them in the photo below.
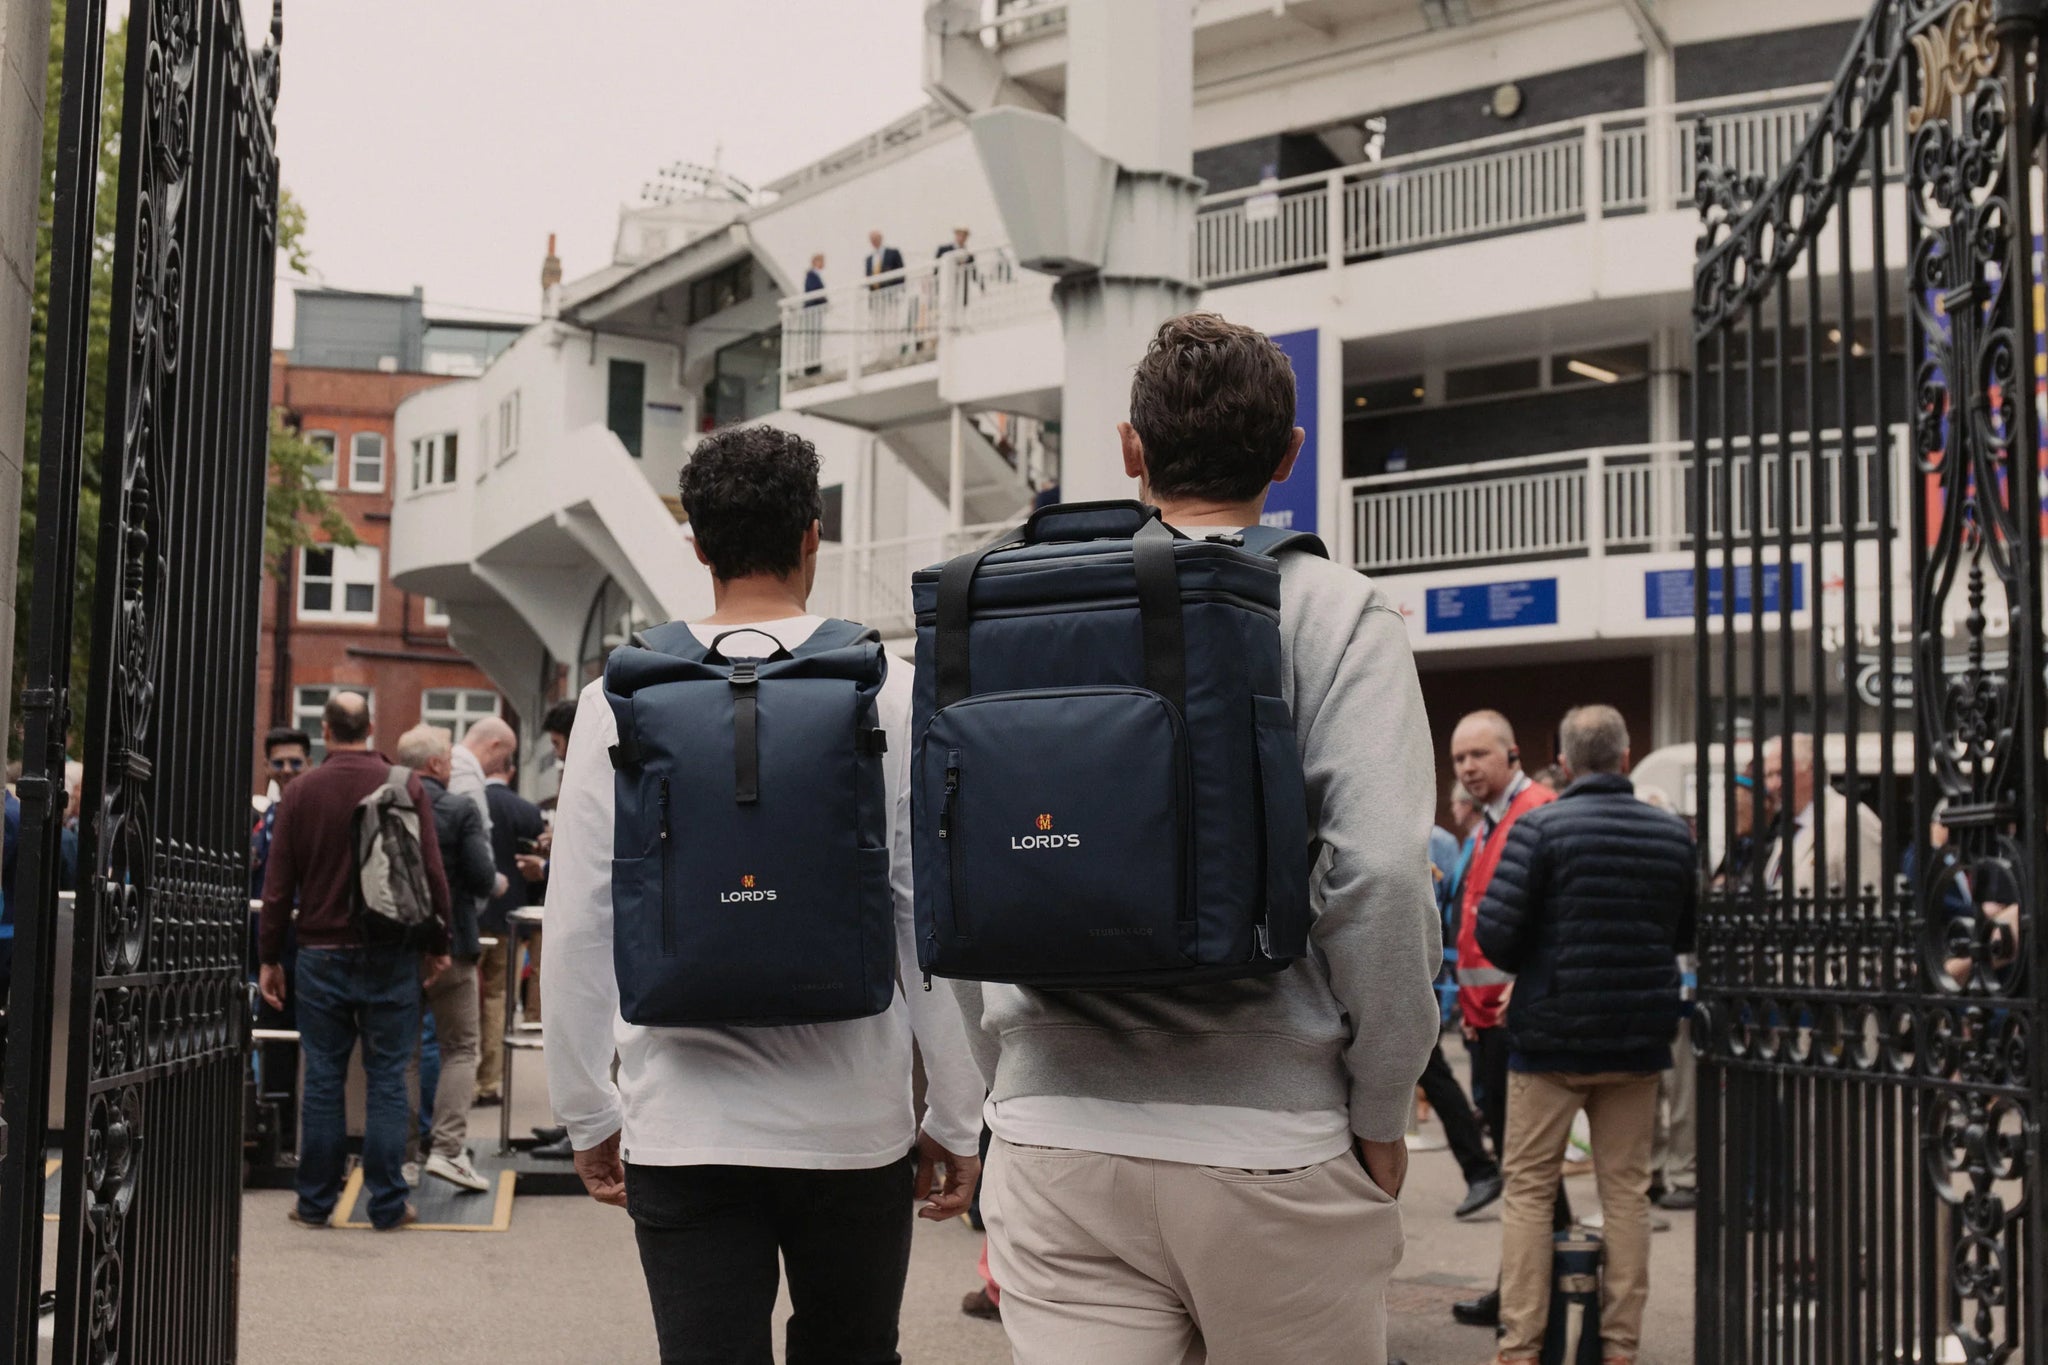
{"type": "Point", "coordinates": [1136, 1262]}
{"type": "Point", "coordinates": [1621, 1109]}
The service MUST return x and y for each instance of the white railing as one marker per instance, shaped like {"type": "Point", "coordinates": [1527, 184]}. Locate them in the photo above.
{"type": "Point", "coordinates": [888, 321]}
{"type": "Point", "coordinates": [870, 582]}
{"type": "Point", "coordinates": [1578, 170]}
{"type": "Point", "coordinates": [1640, 497]}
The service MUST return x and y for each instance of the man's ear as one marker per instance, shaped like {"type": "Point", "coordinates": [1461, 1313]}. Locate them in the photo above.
{"type": "Point", "coordinates": [1134, 450]}
{"type": "Point", "coordinates": [1286, 465]}
{"type": "Point", "coordinates": [1625, 763]}
{"type": "Point", "coordinates": [698, 546]}
{"type": "Point", "coordinates": [813, 537]}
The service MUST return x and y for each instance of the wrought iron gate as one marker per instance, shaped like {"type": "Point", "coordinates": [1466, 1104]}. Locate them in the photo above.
{"type": "Point", "coordinates": [156, 1029]}
{"type": "Point", "coordinates": [1871, 982]}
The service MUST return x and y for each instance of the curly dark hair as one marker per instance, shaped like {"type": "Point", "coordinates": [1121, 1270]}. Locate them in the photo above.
{"type": "Point", "coordinates": [751, 493]}
{"type": "Point", "coordinates": [1214, 404]}
{"type": "Point", "coordinates": [560, 718]}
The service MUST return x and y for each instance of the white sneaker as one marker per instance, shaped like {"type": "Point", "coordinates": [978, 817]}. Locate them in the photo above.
{"type": "Point", "coordinates": [411, 1172]}
{"type": "Point", "coordinates": [457, 1170]}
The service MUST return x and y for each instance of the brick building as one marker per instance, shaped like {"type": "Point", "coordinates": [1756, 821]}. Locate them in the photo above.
{"type": "Point", "coordinates": [333, 619]}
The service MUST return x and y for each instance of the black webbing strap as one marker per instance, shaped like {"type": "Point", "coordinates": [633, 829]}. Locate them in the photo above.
{"type": "Point", "coordinates": [867, 741]}
{"type": "Point", "coordinates": [715, 655]}
{"type": "Point", "coordinates": [949, 644]}
{"type": "Point", "coordinates": [1166, 660]}
{"type": "Point", "coordinates": [746, 735]}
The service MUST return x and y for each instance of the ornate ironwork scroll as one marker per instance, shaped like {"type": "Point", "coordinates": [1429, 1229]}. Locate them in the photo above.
{"type": "Point", "coordinates": [1871, 951]}
{"type": "Point", "coordinates": [158, 1009]}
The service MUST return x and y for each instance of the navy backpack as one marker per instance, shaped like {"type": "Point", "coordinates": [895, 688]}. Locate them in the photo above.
{"type": "Point", "coordinates": [750, 873]}
{"type": "Point", "coordinates": [1106, 790]}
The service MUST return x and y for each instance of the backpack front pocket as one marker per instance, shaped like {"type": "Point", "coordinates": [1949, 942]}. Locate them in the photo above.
{"type": "Point", "coordinates": [1062, 820]}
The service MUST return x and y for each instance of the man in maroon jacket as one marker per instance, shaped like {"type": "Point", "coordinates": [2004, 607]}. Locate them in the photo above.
{"type": "Point", "coordinates": [347, 986]}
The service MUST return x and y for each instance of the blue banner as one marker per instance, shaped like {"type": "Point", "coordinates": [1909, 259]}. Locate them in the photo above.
{"type": "Point", "coordinates": [1292, 505]}
{"type": "Point", "coordinates": [1668, 593]}
{"type": "Point", "coordinates": [1491, 606]}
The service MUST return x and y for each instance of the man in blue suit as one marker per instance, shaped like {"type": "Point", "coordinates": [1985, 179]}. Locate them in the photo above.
{"type": "Point", "coordinates": [814, 282]}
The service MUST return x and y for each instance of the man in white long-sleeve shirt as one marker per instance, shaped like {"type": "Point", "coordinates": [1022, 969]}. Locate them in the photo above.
{"type": "Point", "coordinates": [733, 1146]}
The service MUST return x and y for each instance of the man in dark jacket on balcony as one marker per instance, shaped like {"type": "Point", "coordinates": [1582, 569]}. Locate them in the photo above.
{"type": "Point", "coordinates": [1592, 902]}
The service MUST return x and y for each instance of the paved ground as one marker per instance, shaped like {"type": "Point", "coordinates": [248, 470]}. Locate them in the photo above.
{"type": "Point", "coordinates": [563, 1284]}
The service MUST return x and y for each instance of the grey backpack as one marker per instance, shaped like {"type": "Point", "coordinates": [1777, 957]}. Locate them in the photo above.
{"type": "Point", "coordinates": [392, 900]}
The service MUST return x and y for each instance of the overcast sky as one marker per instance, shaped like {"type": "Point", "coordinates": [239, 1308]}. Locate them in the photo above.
{"type": "Point", "coordinates": [438, 142]}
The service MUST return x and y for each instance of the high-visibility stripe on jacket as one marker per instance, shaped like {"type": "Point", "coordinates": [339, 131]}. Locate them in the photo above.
{"type": "Point", "coordinates": [1483, 987]}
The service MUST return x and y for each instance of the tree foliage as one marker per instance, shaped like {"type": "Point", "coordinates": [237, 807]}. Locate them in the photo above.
{"type": "Point", "coordinates": [298, 511]}
{"type": "Point", "coordinates": [294, 508]}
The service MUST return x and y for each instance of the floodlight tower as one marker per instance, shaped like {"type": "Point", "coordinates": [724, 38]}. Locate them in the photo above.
{"type": "Point", "coordinates": [1104, 201]}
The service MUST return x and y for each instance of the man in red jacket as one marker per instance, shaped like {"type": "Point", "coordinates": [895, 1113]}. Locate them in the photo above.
{"type": "Point", "coordinates": [1489, 766]}
{"type": "Point", "coordinates": [346, 986]}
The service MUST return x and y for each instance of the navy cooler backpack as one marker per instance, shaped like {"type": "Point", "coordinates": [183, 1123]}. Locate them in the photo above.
{"type": "Point", "coordinates": [1106, 786]}
{"type": "Point", "coordinates": [750, 873]}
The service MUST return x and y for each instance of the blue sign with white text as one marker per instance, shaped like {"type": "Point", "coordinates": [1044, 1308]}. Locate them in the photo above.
{"type": "Point", "coordinates": [1292, 505]}
{"type": "Point", "coordinates": [1668, 593]}
{"type": "Point", "coordinates": [1491, 606]}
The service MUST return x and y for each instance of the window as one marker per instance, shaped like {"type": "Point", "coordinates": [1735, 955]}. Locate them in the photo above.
{"type": "Point", "coordinates": [437, 612]}
{"type": "Point", "coordinates": [721, 290]}
{"type": "Point", "coordinates": [746, 382]}
{"type": "Point", "coordinates": [508, 424]}
{"type": "Point", "coordinates": [433, 460]}
{"type": "Point", "coordinates": [625, 409]}
{"type": "Point", "coordinates": [1385, 395]}
{"type": "Point", "coordinates": [339, 582]}
{"type": "Point", "coordinates": [1492, 381]}
{"type": "Point", "coordinates": [456, 708]}
{"type": "Point", "coordinates": [832, 520]}
{"type": "Point", "coordinates": [322, 474]}
{"type": "Point", "coordinates": [1608, 365]}
{"type": "Point", "coordinates": [309, 702]}
{"type": "Point", "coordinates": [366, 462]}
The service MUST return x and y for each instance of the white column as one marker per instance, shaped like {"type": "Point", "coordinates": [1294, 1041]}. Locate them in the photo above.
{"type": "Point", "coordinates": [1333, 512]}
{"type": "Point", "coordinates": [24, 66]}
{"type": "Point", "coordinates": [1130, 94]}
{"type": "Point", "coordinates": [956, 470]}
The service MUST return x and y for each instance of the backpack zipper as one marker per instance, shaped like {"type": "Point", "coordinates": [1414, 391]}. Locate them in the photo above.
{"type": "Point", "coordinates": [668, 924]}
{"type": "Point", "coordinates": [955, 864]}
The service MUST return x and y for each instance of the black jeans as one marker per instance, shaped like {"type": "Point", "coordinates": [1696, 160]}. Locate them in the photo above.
{"type": "Point", "coordinates": [709, 1237]}
{"type": "Point", "coordinates": [1461, 1125]}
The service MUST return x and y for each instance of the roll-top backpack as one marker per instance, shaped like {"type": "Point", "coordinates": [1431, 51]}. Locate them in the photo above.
{"type": "Point", "coordinates": [393, 904]}
{"type": "Point", "coordinates": [750, 873]}
{"type": "Point", "coordinates": [1106, 788]}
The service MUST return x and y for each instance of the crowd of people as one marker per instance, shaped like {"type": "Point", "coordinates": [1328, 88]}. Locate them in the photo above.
{"type": "Point", "coordinates": [385, 882]}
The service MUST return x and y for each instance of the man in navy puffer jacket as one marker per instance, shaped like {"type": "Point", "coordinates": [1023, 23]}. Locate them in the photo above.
{"type": "Point", "coordinates": [1593, 902]}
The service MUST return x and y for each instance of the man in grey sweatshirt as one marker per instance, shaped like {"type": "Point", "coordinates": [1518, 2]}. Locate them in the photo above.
{"type": "Point", "coordinates": [1212, 1170]}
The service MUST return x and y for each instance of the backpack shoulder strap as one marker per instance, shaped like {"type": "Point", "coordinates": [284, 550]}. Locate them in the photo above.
{"type": "Point", "coordinates": [1274, 541]}
{"type": "Point", "coordinates": [838, 634]}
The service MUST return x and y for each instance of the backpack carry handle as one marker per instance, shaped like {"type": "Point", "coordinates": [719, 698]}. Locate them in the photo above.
{"type": "Point", "coordinates": [1166, 666]}
{"type": "Point", "coordinates": [1117, 519]}
{"type": "Point", "coordinates": [714, 655]}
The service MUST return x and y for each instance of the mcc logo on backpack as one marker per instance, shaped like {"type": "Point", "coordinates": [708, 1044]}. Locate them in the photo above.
{"type": "Point", "coordinates": [1100, 665]}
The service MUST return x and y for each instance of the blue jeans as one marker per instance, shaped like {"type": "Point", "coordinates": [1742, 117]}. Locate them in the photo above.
{"type": "Point", "coordinates": [344, 994]}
